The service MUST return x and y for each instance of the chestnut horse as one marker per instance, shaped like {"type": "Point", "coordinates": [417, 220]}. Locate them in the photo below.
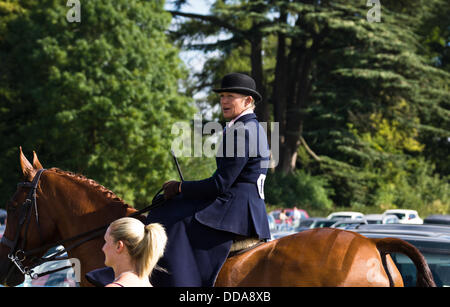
{"type": "Point", "coordinates": [67, 205]}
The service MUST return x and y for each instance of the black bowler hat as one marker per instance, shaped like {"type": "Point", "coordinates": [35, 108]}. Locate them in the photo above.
{"type": "Point", "coordinates": [239, 83]}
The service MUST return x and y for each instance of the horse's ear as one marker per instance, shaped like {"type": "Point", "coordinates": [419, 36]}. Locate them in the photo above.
{"type": "Point", "coordinates": [27, 169]}
{"type": "Point", "coordinates": [36, 164]}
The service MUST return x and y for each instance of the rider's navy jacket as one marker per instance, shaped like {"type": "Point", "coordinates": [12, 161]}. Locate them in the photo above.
{"type": "Point", "coordinates": [236, 189]}
{"type": "Point", "coordinates": [205, 218]}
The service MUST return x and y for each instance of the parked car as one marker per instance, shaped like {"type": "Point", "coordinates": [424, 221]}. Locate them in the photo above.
{"type": "Point", "coordinates": [272, 224]}
{"type": "Point", "coordinates": [348, 224]}
{"type": "Point", "coordinates": [314, 222]}
{"type": "Point", "coordinates": [405, 216]}
{"type": "Point", "coordinates": [437, 219]}
{"type": "Point", "coordinates": [2, 230]}
{"type": "Point", "coordinates": [406, 229]}
{"type": "Point", "coordinates": [2, 217]}
{"type": "Point", "coordinates": [381, 219]}
{"type": "Point", "coordinates": [345, 215]}
{"type": "Point", "coordinates": [432, 241]}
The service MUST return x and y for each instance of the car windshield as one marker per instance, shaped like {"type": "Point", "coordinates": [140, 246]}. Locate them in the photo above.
{"type": "Point", "coordinates": [306, 223]}
{"type": "Point", "coordinates": [439, 265]}
{"type": "Point", "coordinates": [399, 215]}
{"type": "Point", "coordinates": [324, 224]}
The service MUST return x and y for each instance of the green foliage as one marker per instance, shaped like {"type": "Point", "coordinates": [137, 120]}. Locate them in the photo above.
{"type": "Point", "coordinates": [370, 99]}
{"type": "Point", "coordinates": [401, 180]}
{"type": "Point", "coordinates": [298, 189]}
{"type": "Point", "coordinates": [96, 97]}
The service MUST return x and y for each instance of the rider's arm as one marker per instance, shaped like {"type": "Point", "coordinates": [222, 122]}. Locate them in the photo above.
{"type": "Point", "coordinates": [228, 169]}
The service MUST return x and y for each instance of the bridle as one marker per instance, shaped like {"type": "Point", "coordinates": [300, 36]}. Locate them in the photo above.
{"type": "Point", "coordinates": [18, 254]}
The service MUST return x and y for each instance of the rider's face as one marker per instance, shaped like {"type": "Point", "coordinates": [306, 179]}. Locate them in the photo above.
{"type": "Point", "coordinates": [233, 104]}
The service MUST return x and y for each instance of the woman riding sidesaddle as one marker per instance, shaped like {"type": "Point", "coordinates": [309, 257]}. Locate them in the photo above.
{"type": "Point", "coordinates": [203, 218]}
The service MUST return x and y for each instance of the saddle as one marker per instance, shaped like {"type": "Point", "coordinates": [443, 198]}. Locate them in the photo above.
{"type": "Point", "coordinates": [243, 244]}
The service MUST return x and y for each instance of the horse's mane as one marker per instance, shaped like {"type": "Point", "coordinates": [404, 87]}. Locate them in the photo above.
{"type": "Point", "coordinates": [110, 195]}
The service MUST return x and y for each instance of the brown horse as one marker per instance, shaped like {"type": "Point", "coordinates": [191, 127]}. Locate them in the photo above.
{"type": "Point", "coordinates": [68, 204]}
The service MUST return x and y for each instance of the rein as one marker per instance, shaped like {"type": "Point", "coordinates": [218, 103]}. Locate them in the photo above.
{"type": "Point", "coordinates": [17, 256]}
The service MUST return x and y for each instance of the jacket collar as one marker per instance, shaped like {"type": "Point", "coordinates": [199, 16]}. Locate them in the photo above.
{"type": "Point", "coordinates": [242, 118]}
{"type": "Point", "coordinates": [246, 117]}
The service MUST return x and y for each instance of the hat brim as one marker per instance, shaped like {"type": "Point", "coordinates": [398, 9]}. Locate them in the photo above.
{"type": "Point", "coordinates": [240, 90]}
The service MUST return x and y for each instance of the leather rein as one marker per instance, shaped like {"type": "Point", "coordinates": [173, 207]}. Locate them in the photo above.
{"type": "Point", "coordinates": [18, 254]}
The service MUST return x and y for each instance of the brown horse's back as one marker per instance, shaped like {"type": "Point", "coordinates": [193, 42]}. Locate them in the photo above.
{"type": "Point", "coordinates": [317, 257]}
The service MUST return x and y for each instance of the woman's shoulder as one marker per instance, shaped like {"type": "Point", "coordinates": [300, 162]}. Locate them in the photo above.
{"type": "Point", "coordinates": [130, 281]}
{"type": "Point", "coordinates": [114, 285]}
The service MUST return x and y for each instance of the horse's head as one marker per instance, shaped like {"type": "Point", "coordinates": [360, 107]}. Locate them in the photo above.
{"type": "Point", "coordinates": [65, 205]}
{"type": "Point", "coordinates": [26, 228]}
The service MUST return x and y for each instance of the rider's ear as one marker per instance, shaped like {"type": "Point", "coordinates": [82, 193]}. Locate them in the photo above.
{"type": "Point", "coordinates": [36, 164]}
{"type": "Point", "coordinates": [27, 169]}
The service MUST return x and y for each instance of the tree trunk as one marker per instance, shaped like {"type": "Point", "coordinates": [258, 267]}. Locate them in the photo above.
{"type": "Point", "coordinates": [262, 110]}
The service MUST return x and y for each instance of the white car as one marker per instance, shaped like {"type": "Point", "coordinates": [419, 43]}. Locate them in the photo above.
{"type": "Point", "coordinates": [381, 219]}
{"type": "Point", "coordinates": [345, 215]}
{"type": "Point", "coordinates": [405, 216]}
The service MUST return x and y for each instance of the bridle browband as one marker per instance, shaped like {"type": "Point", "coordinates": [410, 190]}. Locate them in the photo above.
{"type": "Point", "coordinates": [18, 255]}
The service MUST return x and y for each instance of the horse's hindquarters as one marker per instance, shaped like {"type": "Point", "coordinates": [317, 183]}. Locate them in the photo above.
{"type": "Point", "coordinates": [318, 257]}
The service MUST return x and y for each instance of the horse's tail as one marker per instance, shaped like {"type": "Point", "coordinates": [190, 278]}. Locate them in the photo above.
{"type": "Point", "coordinates": [394, 245]}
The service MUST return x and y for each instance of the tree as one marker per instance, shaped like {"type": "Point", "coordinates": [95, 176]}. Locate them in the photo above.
{"type": "Point", "coordinates": [96, 97]}
{"type": "Point", "coordinates": [325, 70]}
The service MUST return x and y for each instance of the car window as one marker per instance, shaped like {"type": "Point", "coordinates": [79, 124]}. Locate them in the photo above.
{"type": "Point", "coordinates": [335, 217]}
{"type": "Point", "coordinates": [412, 216]}
{"type": "Point", "coordinates": [391, 220]}
{"type": "Point", "coordinates": [324, 224]}
{"type": "Point", "coordinates": [374, 222]}
{"type": "Point", "coordinates": [439, 265]}
{"type": "Point", "coordinates": [399, 215]}
{"type": "Point", "coordinates": [306, 223]}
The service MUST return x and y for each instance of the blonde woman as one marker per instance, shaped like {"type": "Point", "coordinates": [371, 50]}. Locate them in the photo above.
{"type": "Point", "coordinates": [132, 250]}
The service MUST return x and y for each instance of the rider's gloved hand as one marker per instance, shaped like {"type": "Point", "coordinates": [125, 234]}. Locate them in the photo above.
{"type": "Point", "coordinates": [171, 188]}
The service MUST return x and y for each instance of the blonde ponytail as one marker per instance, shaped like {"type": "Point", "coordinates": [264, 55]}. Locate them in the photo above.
{"type": "Point", "coordinates": [145, 244]}
{"type": "Point", "coordinates": [156, 239]}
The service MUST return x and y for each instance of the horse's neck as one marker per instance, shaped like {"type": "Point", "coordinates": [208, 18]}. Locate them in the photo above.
{"type": "Point", "coordinates": [78, 208]}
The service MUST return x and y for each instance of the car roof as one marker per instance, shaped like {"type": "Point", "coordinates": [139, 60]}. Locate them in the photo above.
{"type": "Point", "coordinates": [424, 244]}
{"type": "Point", "coordinates": [350, 221]}
{"type": "Point", "coordinates": [437, 219]}
{"type": "Point", "coordinates": [371, 216]}
{"type": "Point", "coordinates": [400, 210]}
{"type": "Point", "coordinates": [430, 231]}
{"type": "Point", "coordinates": [346, 212]}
